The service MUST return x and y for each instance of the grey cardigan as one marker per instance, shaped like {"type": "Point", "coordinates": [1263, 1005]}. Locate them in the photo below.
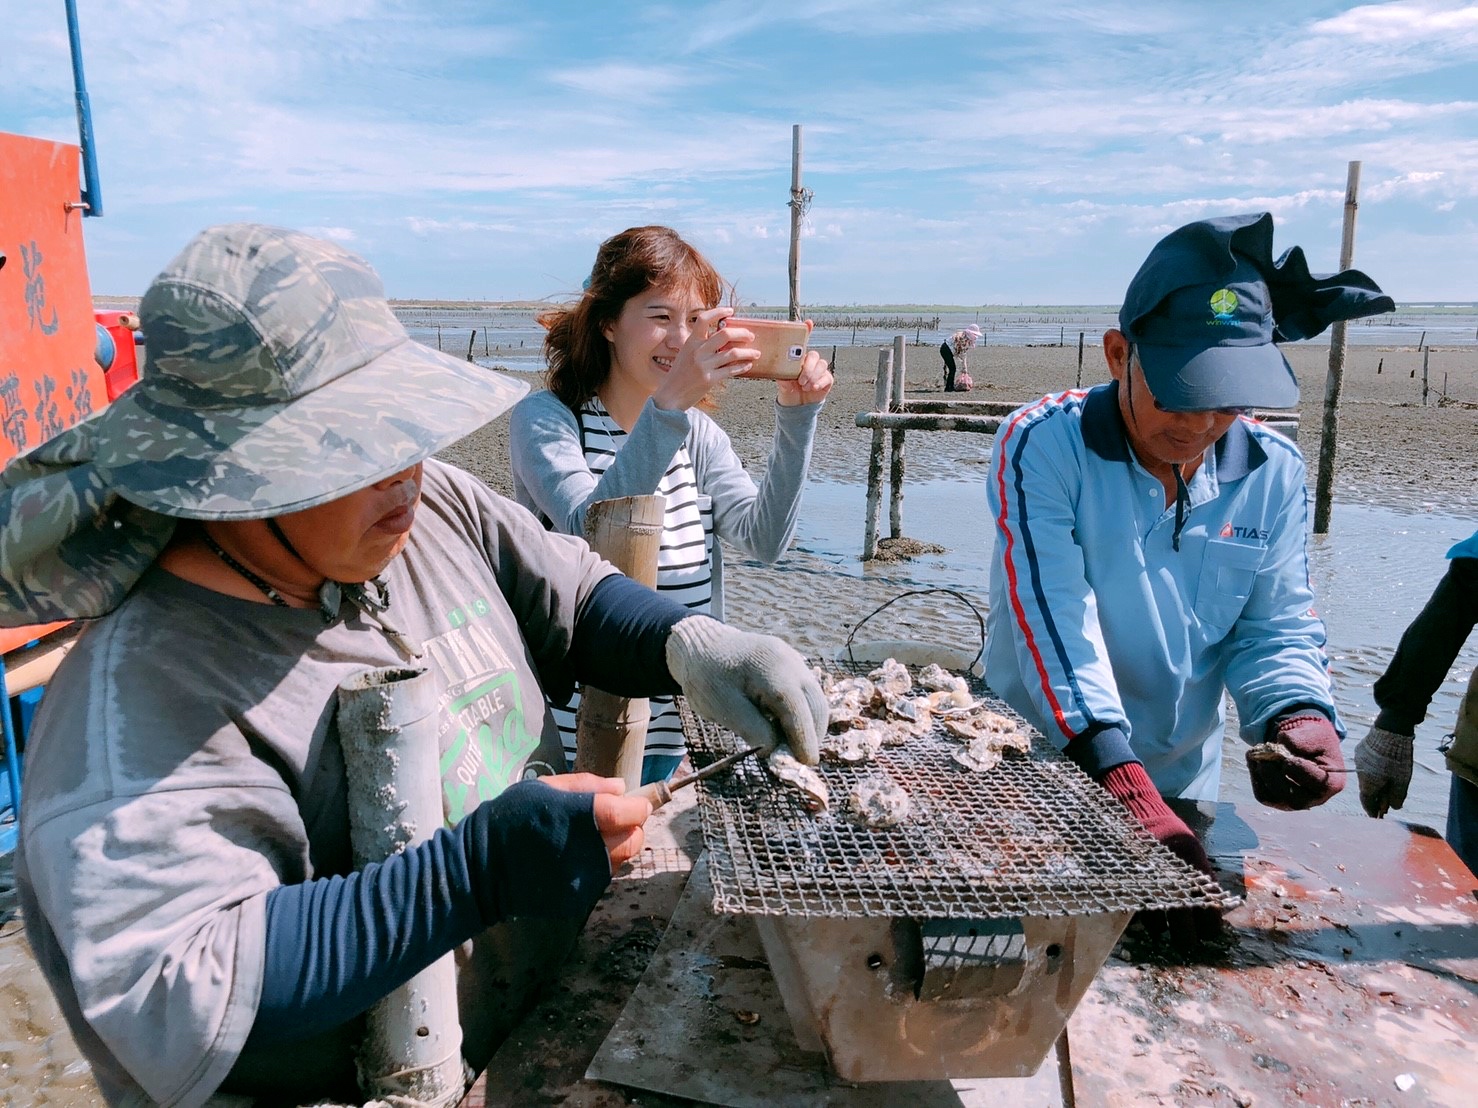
{"type": "Point", "coordinates": [552, 479]}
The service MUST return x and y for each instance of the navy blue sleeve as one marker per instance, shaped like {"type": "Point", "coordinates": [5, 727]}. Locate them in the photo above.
{"type": "Point", "coordinates": [620, 642]}
{"type": "Point", "coordinates": [338, 944]}
{"type": "Point", "coordinates": [1099, 749]}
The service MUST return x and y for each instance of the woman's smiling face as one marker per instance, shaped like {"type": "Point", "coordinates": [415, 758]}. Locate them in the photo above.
{"type": "Point", "coordinates": [646, 337]}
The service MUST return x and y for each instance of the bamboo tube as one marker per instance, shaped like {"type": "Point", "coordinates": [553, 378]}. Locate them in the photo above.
{"type": "Point", "coordinates": [611, 731]}
{"type": "Point", "coordinates": [412, 1046]}
{"type": "Point", "coordinates": [881, 389]}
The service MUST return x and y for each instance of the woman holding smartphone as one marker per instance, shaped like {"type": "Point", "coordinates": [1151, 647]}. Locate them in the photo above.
{"type": "Point", "coordinates": [631, 364]}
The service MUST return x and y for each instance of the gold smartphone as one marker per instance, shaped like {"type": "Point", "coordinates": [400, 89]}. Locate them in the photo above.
{"type": "Point", "coordinates": [782, 347]}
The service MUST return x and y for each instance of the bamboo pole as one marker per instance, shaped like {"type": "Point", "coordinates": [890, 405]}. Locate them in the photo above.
{"type": "Point", "coordinates": [1334, 382]}
{"type": "Point", "coordinates": [797, 213]}
{"type": "Point", "coordinates": [412, 1047]}
{"type": "Point", "coordinates": [881, 389]}
{"type": "Point", "coordinates": [610, 730]}
{"type": "Point", "coordinates": [1080, 359]}
{"type": "Point", "coordinates": [1426, 356]}
{"type": "Point", "coordinates": [895, 467]}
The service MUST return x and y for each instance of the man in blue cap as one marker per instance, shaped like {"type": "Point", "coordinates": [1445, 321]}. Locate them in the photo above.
{"type": "Point", "coordinates": [1151, 549]}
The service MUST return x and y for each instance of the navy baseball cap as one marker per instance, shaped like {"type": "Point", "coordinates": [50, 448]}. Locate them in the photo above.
{"type": "Point", "coordinates": [1209, 304]}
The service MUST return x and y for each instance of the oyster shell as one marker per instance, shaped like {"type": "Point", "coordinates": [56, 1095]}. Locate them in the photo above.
{"type": "Point", "coordinates": [985, 724]}
{"type": "Point", "coordinates": [854, 746]}
{"type": "Point", "coordinates": [802, 778]}
{"type": "Point", "coordinates": [980, 754]}
{"type": "Point", "coordinates": [878, 801]}
{"type": "Point", "coordinates": [891, 678]}
{"type": "Point", "coordinates": [848, 701]}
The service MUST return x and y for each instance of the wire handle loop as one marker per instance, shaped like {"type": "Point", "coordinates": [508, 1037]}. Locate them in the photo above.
{"type": "Point", "coordinates": [979, 619]}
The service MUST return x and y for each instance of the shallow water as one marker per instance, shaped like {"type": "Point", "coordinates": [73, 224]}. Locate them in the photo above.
{"type": "Point", "coordinates": [1372, 573]}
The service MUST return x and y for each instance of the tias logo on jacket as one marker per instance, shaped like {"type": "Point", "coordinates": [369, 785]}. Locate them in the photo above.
{"type": "Point", "coordinates": [1230, 532]}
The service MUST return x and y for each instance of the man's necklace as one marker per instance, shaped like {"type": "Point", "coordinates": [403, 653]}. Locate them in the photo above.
{"type": "Point", "coordinates": [267, 590]}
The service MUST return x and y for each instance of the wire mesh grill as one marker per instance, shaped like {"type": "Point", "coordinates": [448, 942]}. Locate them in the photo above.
{"type": "Point", "coordinates": [1032, 837]}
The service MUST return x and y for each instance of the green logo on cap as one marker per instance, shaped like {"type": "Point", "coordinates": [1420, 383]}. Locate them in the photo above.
{"type": "Point", "coordinates": [1224, 303]}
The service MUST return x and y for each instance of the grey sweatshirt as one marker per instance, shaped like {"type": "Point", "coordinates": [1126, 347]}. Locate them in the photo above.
{"type": "Point", "coordinates": [551, 477]}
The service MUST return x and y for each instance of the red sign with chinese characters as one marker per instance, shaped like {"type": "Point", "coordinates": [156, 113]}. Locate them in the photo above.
{"type": "Point", "coordinates": [48, 378]}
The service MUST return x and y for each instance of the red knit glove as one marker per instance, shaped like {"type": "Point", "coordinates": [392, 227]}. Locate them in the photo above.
{"type": "Point", "coordinates": [1303, 768]}
{"type": "Point", "coordinates": [1132, 787]}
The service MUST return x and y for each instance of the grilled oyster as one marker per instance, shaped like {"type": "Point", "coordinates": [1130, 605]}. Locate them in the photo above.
{"type": "Point", "coordinates": [891, 678]}
{"type": "Point", "coordinates": [802, 778]}
{"type": "Point", "coordinates": [878, 801]}
{"type": "Point", "coordinates": [855, 745]}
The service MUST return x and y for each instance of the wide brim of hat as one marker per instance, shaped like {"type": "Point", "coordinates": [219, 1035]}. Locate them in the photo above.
{"type": "Point", "coordinates": [1188, 379]}
{"type": "Point", "coordinates": [161, 449]}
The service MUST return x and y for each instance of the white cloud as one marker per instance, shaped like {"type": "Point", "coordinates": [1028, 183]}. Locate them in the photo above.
{"type": "Point", "coordinates": [344, 235]}
{"type": "Point", "coordinates": [1405, 22]}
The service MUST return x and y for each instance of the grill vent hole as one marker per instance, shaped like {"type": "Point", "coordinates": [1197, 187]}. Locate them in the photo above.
{"type": "Point", "coordinates": [874, 961]}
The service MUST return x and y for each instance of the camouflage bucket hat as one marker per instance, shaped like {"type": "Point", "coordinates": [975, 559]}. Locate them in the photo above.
{"type": "Point", "coordinates": [277, 379]}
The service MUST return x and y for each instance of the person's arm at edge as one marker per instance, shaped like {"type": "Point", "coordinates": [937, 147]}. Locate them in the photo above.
{"type": "Point", "coordinates": [1428, 649]}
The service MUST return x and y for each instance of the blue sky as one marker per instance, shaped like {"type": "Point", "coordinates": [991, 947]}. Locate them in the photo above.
{"type": "Point", "coordinates": [966, 153]}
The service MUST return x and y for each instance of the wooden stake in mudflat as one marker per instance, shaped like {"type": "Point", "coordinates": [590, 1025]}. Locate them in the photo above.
{"type": "Point", "coordinates": [1426, 356]}
{"type": "Point", "coordinates": [800, 202]}
{"type": "Point", "coordinates": [611, 731]}
{"type": "Point", "coordinates": [1080, 359]}
{"type": "Point", "coordinates": [1334, 382]}
{"type": "Point", "coordinates": [882, 388]}
{"type": "Point", "coordinates": [895, 468]}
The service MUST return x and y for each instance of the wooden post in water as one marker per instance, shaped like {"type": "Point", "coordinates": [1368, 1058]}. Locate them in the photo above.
{"type": "Point", "coordinates": [800, 200]}
{"type": "Point", "coordinates": [470, 340]}
{"type": "Point", "coordinates": [1426, 355]}
{"type": "Point", "coordinates": [611, 731]}
{"type": "Point", "coordinates": [882, 388]}
{"type": "Point", "coordinates": [1334, 382]}
{"type": "Point", "coordinates": [1080, 359]}
{"type": "Point", "coordinates": [895, 468]}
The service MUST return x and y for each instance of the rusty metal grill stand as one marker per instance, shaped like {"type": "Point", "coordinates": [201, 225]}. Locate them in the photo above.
{"type": "Point", "coordinates": [956, 944]}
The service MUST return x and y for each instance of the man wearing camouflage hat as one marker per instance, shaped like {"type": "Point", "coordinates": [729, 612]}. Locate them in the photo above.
{"type": "Point", "coordinates": [1150, 550]}
{"type": "Point", "coordinates": [255, 521]}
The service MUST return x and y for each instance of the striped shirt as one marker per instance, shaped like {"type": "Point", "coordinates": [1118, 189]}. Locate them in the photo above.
{"type": "Point", "coordinates": [684, 561]}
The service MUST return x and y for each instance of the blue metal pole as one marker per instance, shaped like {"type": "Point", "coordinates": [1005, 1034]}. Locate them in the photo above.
{"type": "Point", "coordinates": [92, 193]}
{"type": "Point", "coordinates": [12, 767]}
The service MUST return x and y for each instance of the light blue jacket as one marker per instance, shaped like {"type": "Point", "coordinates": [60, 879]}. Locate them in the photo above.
{"type": "Point", "coordinates": [1096, 619]}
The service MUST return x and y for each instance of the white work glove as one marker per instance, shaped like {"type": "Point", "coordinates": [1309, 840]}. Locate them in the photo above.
{"type": "Point", "coordinates": [755, 685]}
{"type": "Point", "coordinates": [1383, 761]}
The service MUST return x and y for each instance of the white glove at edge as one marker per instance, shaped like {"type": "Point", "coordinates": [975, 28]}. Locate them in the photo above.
{"type": "Point", "coordinates": [1383, 761]}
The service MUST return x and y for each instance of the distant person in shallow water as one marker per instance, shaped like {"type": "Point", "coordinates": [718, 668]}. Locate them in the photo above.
{"type": "Point", "coordinates": [630, 365]}
{"type": "Point", "coordinates": [1425, 654]}
{"type": "Point", "coordinates": [1151, 551]}
{"type": "Point", "coordinates": [953, 351]}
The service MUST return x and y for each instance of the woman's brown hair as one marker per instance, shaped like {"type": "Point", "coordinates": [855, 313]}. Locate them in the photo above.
{"type": "Point", "coordinates": [626, 265]}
